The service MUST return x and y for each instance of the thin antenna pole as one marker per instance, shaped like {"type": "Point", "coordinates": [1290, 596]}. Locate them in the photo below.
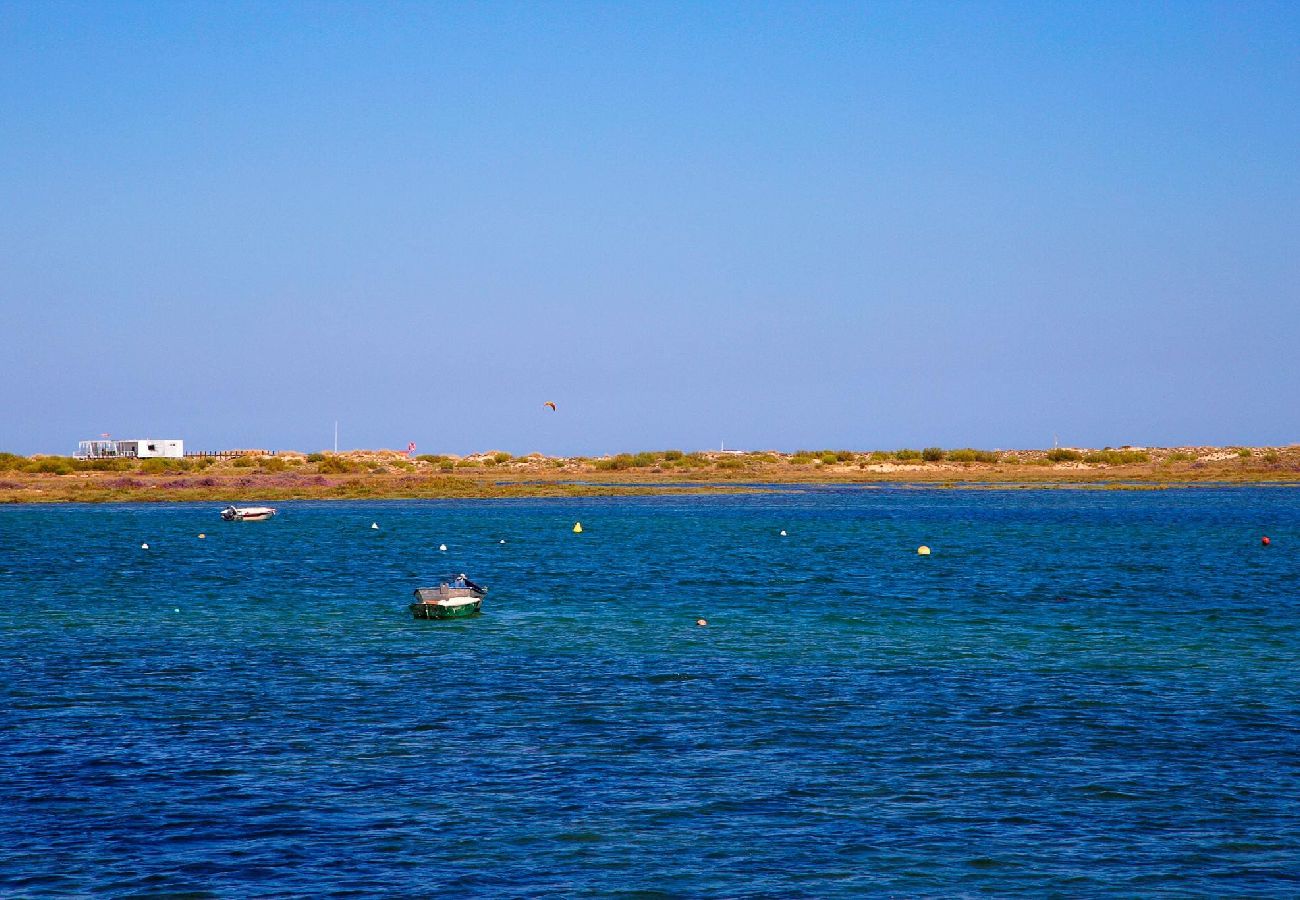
{"type": "Point", "coordinates": [336, 435]}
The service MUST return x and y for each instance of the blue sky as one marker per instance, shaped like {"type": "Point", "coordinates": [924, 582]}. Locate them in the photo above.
{"type": "Point", "coordinates": [775, 225]}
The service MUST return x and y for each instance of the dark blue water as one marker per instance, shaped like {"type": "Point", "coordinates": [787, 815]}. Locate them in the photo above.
{"type": "Point", "coordinates": [1080, 693]}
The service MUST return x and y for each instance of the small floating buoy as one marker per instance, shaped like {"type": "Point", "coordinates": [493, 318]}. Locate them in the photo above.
{"type": "Point", "coordinates": [577, 528]}
{"type": "Point", "coordinates": [923, 550]}
{"type": "Point", "coordinates": [177, 609]}
{"type": "Point", "coordinates": [782, 532]}
{"type": "Point", "coordinates": [501, 541]}
{"type": "Point", "coordinates": [703, 623]}
{"type": "Point", "coordinates": [374, 525]}
{"type": "Point", "coordinates": [202, 536]}
{"type": "Point", "coordinates": [442, 547]}
{"type": "Point", "coordinates": [144, 546]}
{"type": "Point", "coordinates": [1265, 541]}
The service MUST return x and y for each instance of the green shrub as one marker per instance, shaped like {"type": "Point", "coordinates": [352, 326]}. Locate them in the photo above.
{"type": "Point", "coordinates": [467, 464]}
{"type": "Point", "coordinates": [673, 454]}
{"type": "Point", "coordinates": [829, 458]}
{"type": "Point", "coordinates": [243, 462]}
{"type": "Point", "coordinates": [1272, 456]}
{"type": "Point", "coordinates": [50, 465]}
{"type": "Point", "coordinates": [907, 454]}
{"type": "Point", "coordinates": [1116, 457]}
{"type": "Point", "coordinates": [964, 455]}
{"type": "Point", "coordinates": [731, 463]}
{"type": "Point", "coordinates": [273, 464]}
{"type": "Point", "coordinates": [446, 465]}
{"type": "Point", "coordinates": [11, 461]}
{"type": "Point", "coordinates": [315, 457]}
{"type": "Point", "coordinates": [1061, 454]}
{"type": "Point", "coordinates": [801, 458]}
{"type": "Point", "coordinates": [501, 457]}
{"type": "Point", "coordinates": [932, 454]}
{"type": "Point", "coordinates": [336, 465]}
{"type": "Point", "coordinates": [1179, 456]}
{"type": "Point", "coordinates": [1244, 452]}
{"type": "Point", "coordinates": [118, 464]}
{"type": "Point", "coordinates": [879, 456]}
{"type": "Point", "coordinates": [641, 460]}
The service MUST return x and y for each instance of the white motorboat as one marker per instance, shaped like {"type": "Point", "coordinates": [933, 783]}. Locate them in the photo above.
{"type": "Point", "coordinates": [247, 513]}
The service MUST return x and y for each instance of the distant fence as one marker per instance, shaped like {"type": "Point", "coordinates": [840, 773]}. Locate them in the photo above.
{"type": "Point", "coordinates": [228, 454]}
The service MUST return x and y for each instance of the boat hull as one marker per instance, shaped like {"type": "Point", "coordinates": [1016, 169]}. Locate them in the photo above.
{"type": "Point", "coordinates": [459, 608]}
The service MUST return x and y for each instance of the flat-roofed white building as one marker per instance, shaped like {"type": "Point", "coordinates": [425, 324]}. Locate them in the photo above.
{"type": "Point", "coordinates": [152, 447]}
{"type": "Point", "coordinates": [146, 448]}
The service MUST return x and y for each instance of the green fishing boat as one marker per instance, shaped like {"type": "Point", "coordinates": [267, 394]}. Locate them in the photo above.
{"type": "Point", "coordinates": [454, 600]}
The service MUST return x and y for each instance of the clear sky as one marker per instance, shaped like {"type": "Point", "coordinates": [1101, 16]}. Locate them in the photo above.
{"type": "Point", "coordinates": [863, 225]}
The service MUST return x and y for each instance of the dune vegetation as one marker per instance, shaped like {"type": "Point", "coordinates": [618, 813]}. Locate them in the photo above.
{"type": "Point", "coordinates": [390, 474]}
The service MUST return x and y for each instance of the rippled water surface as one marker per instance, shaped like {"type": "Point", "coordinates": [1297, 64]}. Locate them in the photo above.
{"type": "Point", "coordinates": [1080, 693]}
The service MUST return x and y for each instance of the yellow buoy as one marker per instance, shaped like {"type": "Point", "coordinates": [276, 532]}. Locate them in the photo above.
{"type": "Point", "coordinates": [923, 550]}
{"type": "Point", "coordinates": [202, 536]}
{"type": "Point", "coordinates": [577, 528]}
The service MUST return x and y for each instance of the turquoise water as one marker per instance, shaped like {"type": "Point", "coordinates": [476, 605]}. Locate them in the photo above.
{"type": "Point", "coordinates": [1080, 693]}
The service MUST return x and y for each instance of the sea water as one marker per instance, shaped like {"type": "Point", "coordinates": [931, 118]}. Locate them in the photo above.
{"type": "Point", "coordinates": [1079, 693]}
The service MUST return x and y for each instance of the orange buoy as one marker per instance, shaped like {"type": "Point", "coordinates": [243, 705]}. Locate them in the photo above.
{"type": "Point", "coordinates": [1265, 541]}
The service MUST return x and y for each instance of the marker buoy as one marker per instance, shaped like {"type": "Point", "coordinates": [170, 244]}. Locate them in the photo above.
{"type": "Point", "coordinates": [1265, 541]}
{"type": "Point", "coordinates": [177, 609]}
{"type": "Point", "coordinates": [442, 547]}
{"type": "Point", "coordinates": [702, 622]}
{"type": "Point", "coordinates": [923, 550]}
{"type": "Point", "coordinates": [202, 536]}
{"type": "Point", "coordinates": [782, 532]}
{"type": "Point", "coordinates": [374, 525]}
{"type": "Point", "coordinates": [501, 542]}
{"type": "Point", "coordinates": [577, 528]}
{"type": "Point", "coordinates": [144, 546]}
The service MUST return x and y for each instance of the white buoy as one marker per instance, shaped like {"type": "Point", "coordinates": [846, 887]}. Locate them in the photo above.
{"type": "Point", "coordinates": [783, 532]}
{"type": "Point", "coordinates": [374, 525]}
{"type": "Point", "coordinates": [502, 541]}
{"type": "Point", "coordinates": [177, 609]}
{"type": "Point", "coordinates": [144, 546]}
{"type": "Point", "coordinates": [702, 622]}
{"type": "Point", "coordinates": [442, 547]}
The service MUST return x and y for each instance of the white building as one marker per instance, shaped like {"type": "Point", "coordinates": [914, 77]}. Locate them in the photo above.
{"type": "Point", "coordinates": [153, 447]}
{"type": "Point", "coordinates": [147, 448]}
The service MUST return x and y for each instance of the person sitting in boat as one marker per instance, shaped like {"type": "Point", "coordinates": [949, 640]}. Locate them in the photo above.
{"type": "Point", "coordinates": [463, 582]}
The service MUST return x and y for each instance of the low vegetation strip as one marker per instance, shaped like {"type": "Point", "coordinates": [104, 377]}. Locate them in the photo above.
{"type": "Point", "coordinates": [390, 474]}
